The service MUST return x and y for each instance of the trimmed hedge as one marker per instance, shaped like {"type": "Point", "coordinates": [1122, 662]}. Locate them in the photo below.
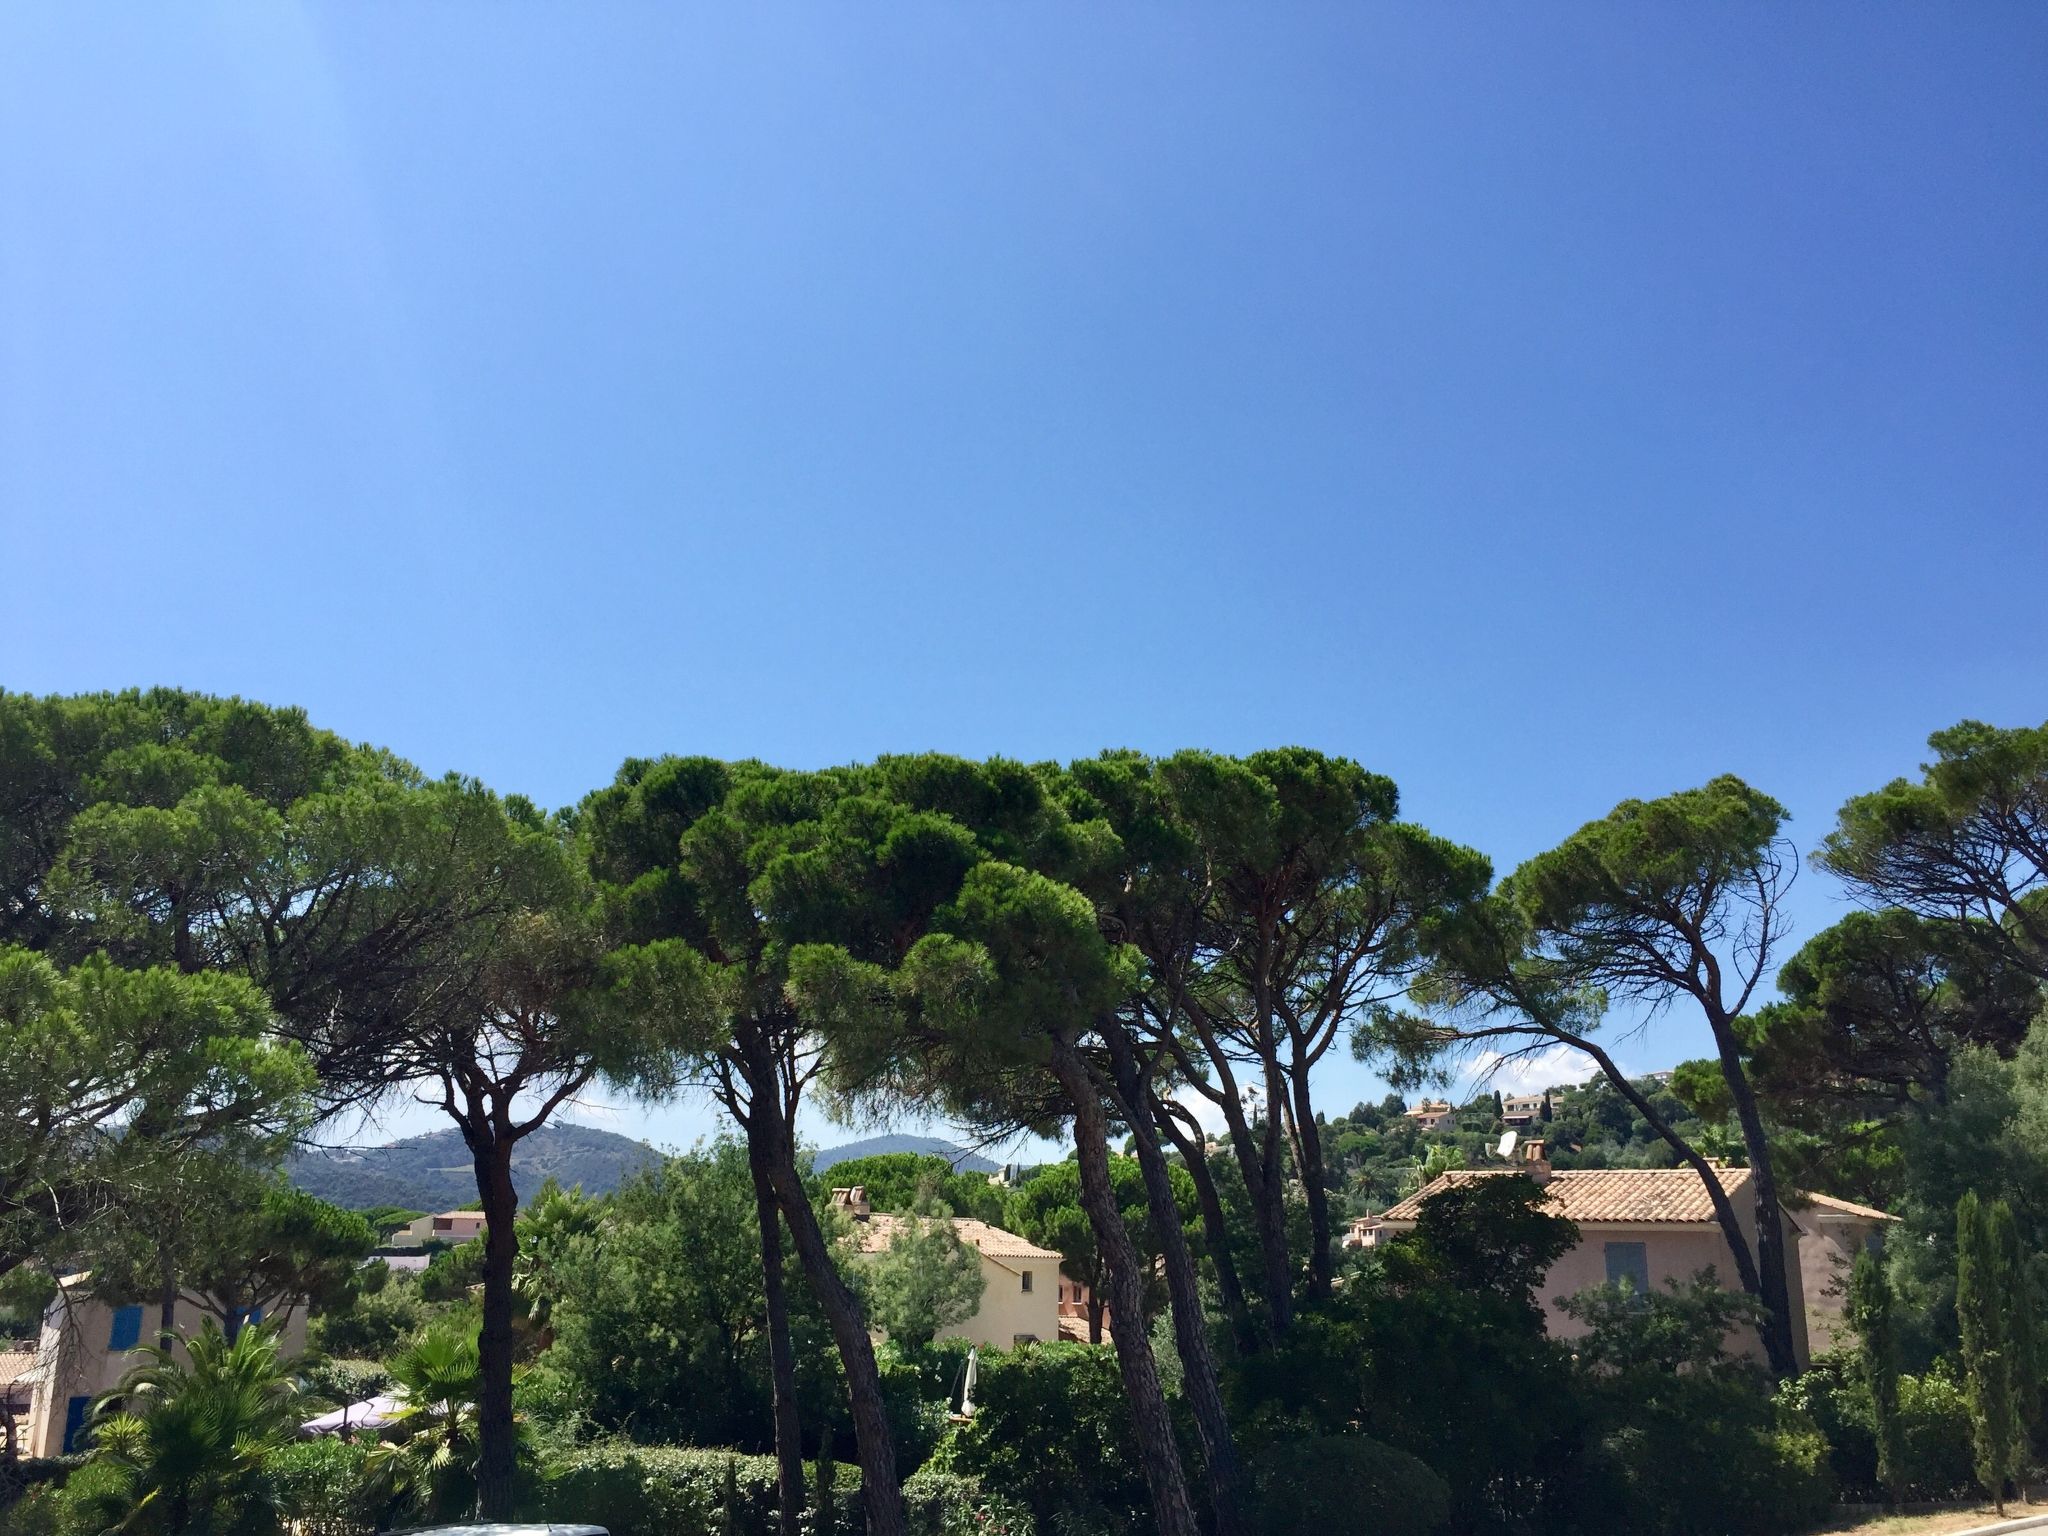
{"type": "Point", "coordinates": [1347, 1485]}
{"type": "Point", "coordinates": [679, 1491]}
{"type": "Point", "coordinates": [321, 1490]}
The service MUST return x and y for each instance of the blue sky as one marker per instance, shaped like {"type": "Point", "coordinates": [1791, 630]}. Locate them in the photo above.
{"type": "Point", "coordinates": [1544, 405]}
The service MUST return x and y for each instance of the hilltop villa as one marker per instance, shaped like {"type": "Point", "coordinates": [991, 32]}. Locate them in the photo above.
{"type": "Point", "coordinates": [1021, 1296]}
{"type": "Point", "coordinates": [1653, 1225]}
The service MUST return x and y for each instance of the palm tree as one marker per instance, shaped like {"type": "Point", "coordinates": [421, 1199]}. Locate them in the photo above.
{"type": "Point", "coordinates": [429, 1466]}
{"type": "Point", "coordinates": [188, 1436]}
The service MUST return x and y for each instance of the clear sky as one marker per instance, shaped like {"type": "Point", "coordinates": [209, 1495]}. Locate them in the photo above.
{"type": "Point", "coordinates": [1542, 404]}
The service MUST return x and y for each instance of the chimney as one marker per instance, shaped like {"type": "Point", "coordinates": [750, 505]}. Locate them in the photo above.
{"type": "Point", "coordinates": [1534, 1163]}
{"type": "Point", "coordinates": [853, 1201]}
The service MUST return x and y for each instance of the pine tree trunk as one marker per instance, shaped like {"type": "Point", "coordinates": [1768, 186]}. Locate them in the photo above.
{"type": "Point", "coordinates": [1194, 1155]}
{"type": "Point", "coordinates": [881, 1493]}
{"type": "Point", "coordinates": [789, 1450]}
{"type": "Point", "coordinates": [1165, 1478]}
{"type": "Point", "coordinates": [1190, 1327]}
{"type": "Point", "coordinates": [1770, 1219]}
{"type": "Point", "coordinates": [497, 1447]}
{"type": "Point", "coordinates": [1309, 1142]}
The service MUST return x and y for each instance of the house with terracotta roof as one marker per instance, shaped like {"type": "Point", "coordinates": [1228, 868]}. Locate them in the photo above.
{"type": "Point", "coordinates": [1431, 1114]}
{"type": "Point", "coordinates": [451, 1227]}
{"type": "Point", "coordinates": [1521, 1110]}
{"type": "Point", "coordinates": [1649, 1226]}
{"type": "Point", "coordinates": [1021, 1293]}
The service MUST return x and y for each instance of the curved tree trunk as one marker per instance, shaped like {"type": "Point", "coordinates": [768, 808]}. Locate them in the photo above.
{"type": "Point", "coordinates": [789, 1449]}
{"type": "Point", "coordinates": [497, 1450]}
{"type": "Point", "coordinates": [880, 1490]}
{"type": "Point", "coordinates": [1194, 1155]}
{"type": "Point", "coordinates": [1165, 1478]}
{"type": "Point", "coordinates": [1770, 1219]}
{"type": "Point", "coordinates": [1190, 1327]}
{"type": "Point", "coordinates": [1308, 1140]}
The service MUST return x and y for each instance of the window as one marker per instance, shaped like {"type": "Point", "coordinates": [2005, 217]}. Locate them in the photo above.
{"type": "Point", "coordinates": [127, 1329]}
{"type": "Point", "coordinates": [1027, 1279]}
{"type": "Point", "coordinates": [1629, 1262]}
{"type": "Point", "coordinates": [74, 1423]}
{"type": "Point", "coordinates": [1022, 1338]}
{"type": "Point", "coordinates": [246, 1315]}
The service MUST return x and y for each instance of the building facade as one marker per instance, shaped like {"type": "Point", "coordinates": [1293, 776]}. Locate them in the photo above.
{"type": "Point", "coordinates": [87, 1345]}
{"type": "Point", "coordinates": [1021, 1282]}
{"type": "Point", "coordinates": [1649, 1226]}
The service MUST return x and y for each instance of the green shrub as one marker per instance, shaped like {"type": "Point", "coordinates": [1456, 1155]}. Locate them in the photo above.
{"type": "Point", "coordinates": [1934, 1435]}
{"type": "Point", "coordinates": [1347, 1485]}
{"type": "Point", "coordinates": [673, 1491]}
{"type": "Point", "coordinates": [320, 1487]}
{"type": "Point", "coordinates": [1052, 1431]}
{"type": "Point", "coordinates": [84, 1503]}
{"type": "Point", "coordinates": [939, 1503]}
{"type": "Point", "coordinates": [331, 1383]}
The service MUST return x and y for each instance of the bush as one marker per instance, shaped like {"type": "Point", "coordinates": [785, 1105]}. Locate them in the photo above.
{"type": "Point", "coordinates": [1934, 1430]}
{"type": "Point", "coordinates": [1052, 1431]}
{"type": "Point", "coordinates": [320, 1487]}
{"type": "Point", "coordinates": [674, 1491]}
{"type": "Point", "coordinates": [327, 1383]}
{"type": "Point", "coordinates": [939, 1503]}
{"type": "Point", "coordinates": [1934, 1434]}
{"type": "Point", "coordinates": [84, 1503]}
{"type": "Point", "coordinates": [1707, 1457]}
{"type": "Point", "coordinates": [1347, 1485]}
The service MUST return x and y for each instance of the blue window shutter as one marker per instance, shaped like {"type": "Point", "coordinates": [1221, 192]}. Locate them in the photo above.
{"type": "Point", "coordinates": [127, 1331]}
{"type": "Point", "coordinates": [74, 1422]}
{"type": "Point", "coordinates": [1630, 1262]}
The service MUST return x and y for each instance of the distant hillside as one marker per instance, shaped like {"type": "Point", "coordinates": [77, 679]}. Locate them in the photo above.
{"type": "Point", "coordinates": [433, 1172]}
{"type": "Point", "coordinates": [875, 1146]}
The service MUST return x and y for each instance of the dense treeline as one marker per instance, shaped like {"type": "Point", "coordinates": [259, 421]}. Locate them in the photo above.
{"type": "Point", "coordinates": [219, 923]}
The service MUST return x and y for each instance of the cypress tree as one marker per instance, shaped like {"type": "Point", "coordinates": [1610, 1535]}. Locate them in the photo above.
{"type": "Point", "coordinates": [828, 1477]}
{"type": "Point", "coordinates": [1983, 1301]}
{"type": "Point", "coordinates": [1871, 1310]}
{"type": "Point", "coordinates": [2023, 1334]}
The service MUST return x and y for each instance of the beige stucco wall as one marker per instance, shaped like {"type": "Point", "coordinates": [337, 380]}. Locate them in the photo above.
{"type": "Point", "coordinates": [1827, 1250]}
{"type": "Point", "coordinates": [1008, 1310]}
{"type": "Point", "coordinates": [73, 1359]}
{"type": "Point", "coordinates": [1672, 1253]}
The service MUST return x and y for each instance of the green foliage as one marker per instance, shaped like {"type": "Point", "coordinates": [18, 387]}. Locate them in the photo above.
{"type": "Point", "coordinates": [1682, 1329]}
{"type": "Point", "coordinates": [673, 1491]}
{"type": "Point", "coordinates": [660, 1318]}
{"type": "Point", "coordinates": [1962, 841]}
{"type": "Point", "coordinates": [1052, 1430]}
{"type": "Point", "coordinates": [1872, 1313]}
{"type": "Point", "coordinates": [373, 1326]}
{"type": "Point", "coordinates": [925, 1280]}
{"type": "Point", "coordinates": [323, 1488]}
{"type": "Point", "coordinates": [937, 1503]}
{"type": "Point", "coordinates": [425, 1466]}
{"type": "Point", "coordinates": [110, 1075]}
{"type": "Point", "coordinates": [187, 1434]}
{"type": "Point", "coordinates": [1933, 1456]}
{"type": "Point", "coordinates": [327, 1383]}
{"type": "Point", "coordinates": [1431, 1346]}
{"type": "Point", "coordinates": [1987, 1284]}
{"type": "Point", "coordinates": [901, 1181]}
{"type": "Point", "coordinates": [1347, 1485]}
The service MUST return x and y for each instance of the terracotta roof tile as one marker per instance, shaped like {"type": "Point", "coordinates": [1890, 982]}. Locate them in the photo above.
{"type": "Point", "coordinates": [1601, 1194]}
{"type": "Point", "coordinates": [879, 1230]}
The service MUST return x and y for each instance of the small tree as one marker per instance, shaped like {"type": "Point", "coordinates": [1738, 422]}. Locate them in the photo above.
{"type": "Point", "coordinates": [1983, 1298]}
{"type": "Point", "coordinates": [1871, 1310]}
{"type": "Point", "coordinates": [927, 1279]}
